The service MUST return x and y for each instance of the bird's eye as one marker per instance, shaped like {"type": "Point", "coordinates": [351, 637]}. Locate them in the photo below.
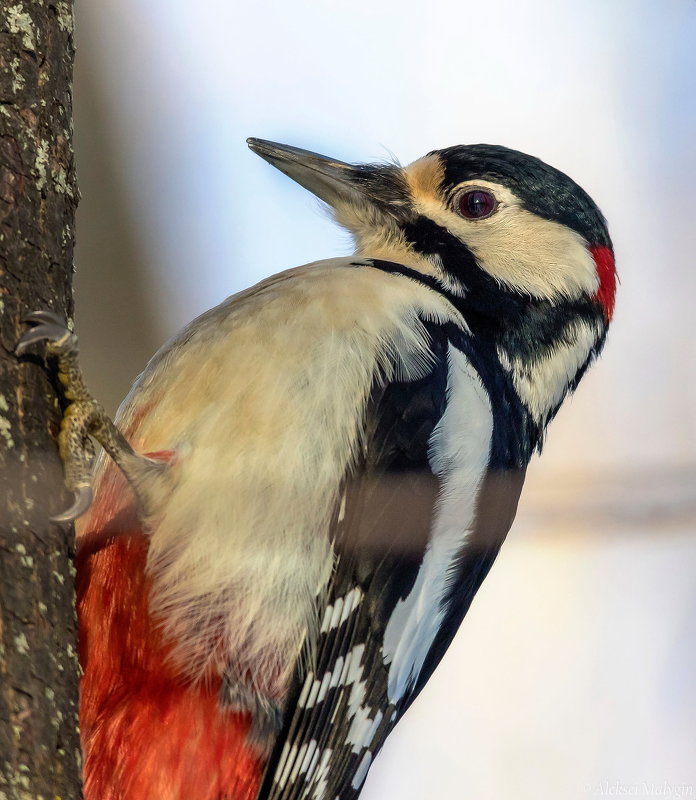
{"type": "Point", "coordinates": [476, 204]}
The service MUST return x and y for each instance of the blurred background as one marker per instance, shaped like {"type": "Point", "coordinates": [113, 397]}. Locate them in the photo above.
{"type": "Point", "coordinates": [573, 674]}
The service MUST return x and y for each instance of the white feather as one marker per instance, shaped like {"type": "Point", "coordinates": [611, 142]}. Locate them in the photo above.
{"type": "Point", "coordinates": [543, 382]}
{"type": "Point", "coordinates": [362, 770]}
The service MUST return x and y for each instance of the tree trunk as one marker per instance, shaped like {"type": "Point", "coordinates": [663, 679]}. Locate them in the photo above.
{"type": "Point", "coordinates": [39, 744]}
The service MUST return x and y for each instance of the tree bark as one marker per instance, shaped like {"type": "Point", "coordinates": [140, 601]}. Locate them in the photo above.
{"type": "Point", "coordinates": [39, 743]}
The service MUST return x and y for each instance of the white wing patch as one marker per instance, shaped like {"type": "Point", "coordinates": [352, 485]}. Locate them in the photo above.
{"type": "Point", "coordinates": [459, 452]}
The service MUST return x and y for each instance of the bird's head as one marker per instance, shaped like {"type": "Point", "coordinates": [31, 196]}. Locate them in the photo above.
{"type": "Point", "coordinates": [521, 247]}
{"type": "Point", "coordinates": [473, 216]}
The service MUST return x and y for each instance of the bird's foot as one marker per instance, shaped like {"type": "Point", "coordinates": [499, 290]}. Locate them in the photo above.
{"type": "Point", "coordinates": [83, 417]}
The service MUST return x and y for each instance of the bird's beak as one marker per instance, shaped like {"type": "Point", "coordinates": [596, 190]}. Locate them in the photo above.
{"type": "Point", "coordinates": [335, 182]}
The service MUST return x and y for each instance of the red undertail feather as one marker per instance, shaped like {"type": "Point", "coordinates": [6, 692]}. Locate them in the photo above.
{"type": "Point", "coordinates": [147, 734]}
{"type": "Point", "coordinates": [606, 272]}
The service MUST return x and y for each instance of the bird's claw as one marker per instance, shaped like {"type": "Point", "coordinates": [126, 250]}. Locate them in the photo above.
{"type": "Point", "coordinates": [83, 418]}
{"type": "Point", "coordinates": [75, 448]}
{"type": "Point", "coordinates": [44, 316]}
{"type": "Point", "coordinates": [83, 500]}
{"type": "Point", "coordinates": [49, 327]}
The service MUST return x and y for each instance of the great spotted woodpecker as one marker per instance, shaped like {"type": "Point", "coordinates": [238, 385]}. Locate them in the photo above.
{"type": "Point", "coordinates": [334, 458]}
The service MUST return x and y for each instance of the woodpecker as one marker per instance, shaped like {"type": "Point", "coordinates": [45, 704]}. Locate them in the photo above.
{"type": "Point", "coordinates": [320, 474]}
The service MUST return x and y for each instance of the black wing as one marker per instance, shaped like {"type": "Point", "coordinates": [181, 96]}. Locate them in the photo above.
{"type": "Point", "coordinates": [343, 713]}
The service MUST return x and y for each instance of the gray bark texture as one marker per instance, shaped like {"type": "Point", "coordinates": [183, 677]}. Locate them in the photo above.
{"type": "Point", "coordinates": [39, 742]}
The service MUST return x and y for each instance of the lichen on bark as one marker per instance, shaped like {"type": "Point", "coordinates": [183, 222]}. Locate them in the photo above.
{"type": "Point", "coordinates": [39, 741]}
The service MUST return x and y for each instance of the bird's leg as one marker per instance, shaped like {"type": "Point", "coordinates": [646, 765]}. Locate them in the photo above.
{"type": "Point", "coordinates": [83, 418]}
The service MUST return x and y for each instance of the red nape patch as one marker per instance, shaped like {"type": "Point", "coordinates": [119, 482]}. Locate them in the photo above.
{"type": "Point", "coordinates": [606, 272]}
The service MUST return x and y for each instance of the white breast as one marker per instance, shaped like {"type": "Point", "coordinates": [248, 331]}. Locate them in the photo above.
{"type": "Point", "coordinates": [459, 452]}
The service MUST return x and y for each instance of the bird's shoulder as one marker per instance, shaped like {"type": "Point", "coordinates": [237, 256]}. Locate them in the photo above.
{"type": "Point", "coordinates": [329, 312]}
{"type": "Point", "coordinates": [332, 294]}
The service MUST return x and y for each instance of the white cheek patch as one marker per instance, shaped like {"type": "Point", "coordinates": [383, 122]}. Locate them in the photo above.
{"type": "Point", "coordinates": [521, 250]}
{"type": "Point", "coordinates": [542, 383]}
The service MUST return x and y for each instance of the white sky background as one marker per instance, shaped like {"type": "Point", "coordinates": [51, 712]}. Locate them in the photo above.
{"type": "Point", "coordinates": [606, 91]}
